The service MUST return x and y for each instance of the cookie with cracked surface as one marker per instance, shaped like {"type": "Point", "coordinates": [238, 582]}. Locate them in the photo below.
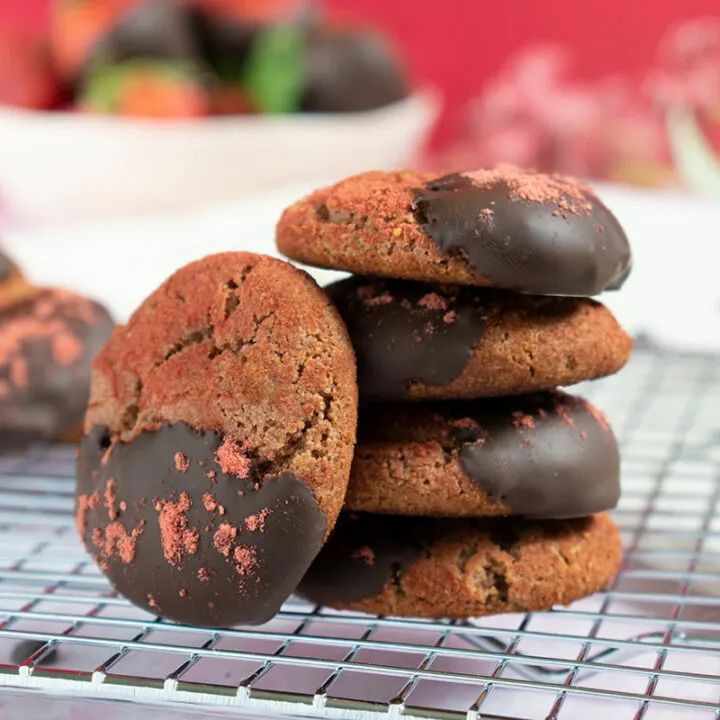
{"type": "Point", "coordinates": [542, 456]}
{"type": "Point", "coordinates": [219, 438]}
{"type": "Point", "coordinates": [422, 567]}
{"type": "Point", "coordinates": [48, 339]}
{"type": "Point", "coordinates": [507, 228]}
{"type": "Point", "coordinates": [414, 340]}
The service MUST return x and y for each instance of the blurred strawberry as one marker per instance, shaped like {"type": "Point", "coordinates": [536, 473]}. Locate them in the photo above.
{"type": "Point", "coordinates": [230, 99]}
{"type": "Point", "coordinates": [148, 89]}
{"type": "Point", "coordinates": [27, 79]}
{"type": "Point", "coordinates": [256, 11]}
{"type": "Point", "coordinates": [76, 26]}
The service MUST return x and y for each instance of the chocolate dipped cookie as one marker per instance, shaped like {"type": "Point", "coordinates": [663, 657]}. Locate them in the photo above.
{"type": "Point", "coordinates": [48, 339]}
{"type": "Point", "coordinates": [422, 567]}
{"type": "Point", "coordinates": [415, 340]}
{"type": "Point", "coordinates": [506, 228]}
{"type": "Point", "coordinates": [219, 437]}
{"type": "Point", "coordinates": [546, 455]}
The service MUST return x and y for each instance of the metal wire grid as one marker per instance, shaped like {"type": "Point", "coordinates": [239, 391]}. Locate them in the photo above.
{"type": "Point", "coordinates": [647, 648]}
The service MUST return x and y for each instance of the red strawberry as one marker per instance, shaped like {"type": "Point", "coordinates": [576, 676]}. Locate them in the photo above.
{"type": "Point", "coordinates": [230, 100]}
{"type": "Point", "coordinates": [250, 10]}
{"type": "Point", "coordinates": [149, 89]}
{"type": "Point", "coordinates": [76, 26]}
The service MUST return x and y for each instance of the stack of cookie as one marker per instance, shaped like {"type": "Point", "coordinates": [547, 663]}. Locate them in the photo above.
{"type": "Point", "coordinates": [477, 487]}
{"type": "Point", "coordinates": [220, 438]}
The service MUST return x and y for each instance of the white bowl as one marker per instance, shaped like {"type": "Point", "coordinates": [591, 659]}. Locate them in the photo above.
{"type": "Point", "coordinates": [56, 167]}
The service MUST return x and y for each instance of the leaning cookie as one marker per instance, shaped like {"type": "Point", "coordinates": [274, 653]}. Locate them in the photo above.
{"type": "Point", "coordinates": [415, 340]}
{"type": "Point", "coordinates": [421, 567]}
{"type": "Point", "coordinates": [48, 340]}
{"type": "Point", "coordinates": [547, 455]}
{"type": "Point", "coordinates": [220, 434]}
{"type": "Point", "coordinates": [507, 228]}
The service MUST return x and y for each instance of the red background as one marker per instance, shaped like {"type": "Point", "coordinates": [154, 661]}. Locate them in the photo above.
{"type": "Point", "coordinates": [458, 44]}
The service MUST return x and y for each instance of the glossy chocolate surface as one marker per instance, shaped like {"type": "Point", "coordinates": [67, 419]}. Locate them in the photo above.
{"type": "Point", "coordinates": [526, 231]}
{"type": "Point", "coordinates": [407, 331]}
{"type": "Point", "coordinates": [182, 538]}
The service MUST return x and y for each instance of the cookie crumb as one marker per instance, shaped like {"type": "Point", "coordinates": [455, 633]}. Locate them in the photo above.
{"type": "Point", "coordinates": [245, 559]}
{"type": "Point", "coordinates": [365, 554]}
{"type": "Point", "coordinates": [384, 299]}
{"type": "Point", "coordinates": [106, 455]}
{"type": "Point", "coordinates": [224, 537]}
{"type": "Point", "coordinates": [433, 301]}
{"type": "Point", "coordinates": [566, 193]}
{"type": "Point", "coordinates": [464, 424]}
{"type": "Point", "coordinates": [521, 420]}
{"type": "Point", "coordinates": [232, 460]}
{"type": "Point", "coordinates": [257, 522]}
{"type": "Point", "coordinates": [181, 462]}
{"type": "Point", "coordinates": [119, 541]}
{"type": "Point", "coordinates": [110, 498]}
{"type": "Point", "coordinates": [176, 537]}
{"type": "Point", "coordinates": [85, 503]}
{"type": "Point", "coordinates": [97, 538]}
{"type": "Point", "coordinates": [565, 414]}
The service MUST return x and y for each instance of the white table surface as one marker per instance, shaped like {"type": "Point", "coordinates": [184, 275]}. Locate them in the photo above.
{"type": "Point", "coordinates": [673, 293]}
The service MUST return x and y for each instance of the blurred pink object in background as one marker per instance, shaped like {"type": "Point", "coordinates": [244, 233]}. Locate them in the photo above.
{"type": "Point", "coordinates": [537, 113]}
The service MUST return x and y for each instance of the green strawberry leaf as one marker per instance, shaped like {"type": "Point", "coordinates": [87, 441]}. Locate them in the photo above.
{"type": "Point", "coordinates": [274, 74]}
{"type": "Point", "coordinates": [104, 83]}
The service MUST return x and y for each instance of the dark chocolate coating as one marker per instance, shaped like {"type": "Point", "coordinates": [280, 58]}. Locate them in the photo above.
{"type": "Point", "coordinates": [544, 455]}
{"type": "Point", "coordinates": [363, 552]}
{"type": "Point", "coordinates": [278, 527]}
{"type": "Point", "coordinates": [350, 72]}
{"type": "Point", "coordinates": [168, 30]}
{"type": "Point", "coordinates": [7, 268]}
{"type": "Point", "coordinates": [225, 42]}
{"type": "Point", "coordinates": [154, 29]}
{"type": "Point", "coordinates": [523, 244]}
{"type": "Point", "coordinates": [47, 344]}
{"type": "Point", "coordinates": [399, 338]}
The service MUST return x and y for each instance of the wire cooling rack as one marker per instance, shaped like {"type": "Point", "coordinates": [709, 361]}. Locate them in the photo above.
{"type": "Point", "coordinates": [647, 648]}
